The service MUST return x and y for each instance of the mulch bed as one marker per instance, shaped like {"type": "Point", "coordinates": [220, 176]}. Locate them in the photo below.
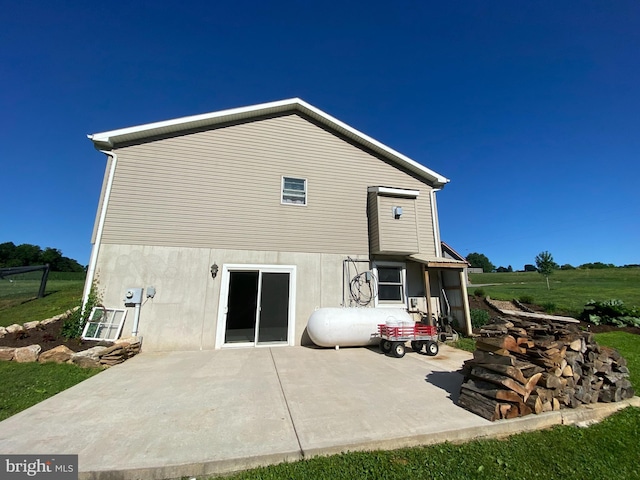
{"type": "Point", "coordinates": [47, 336]}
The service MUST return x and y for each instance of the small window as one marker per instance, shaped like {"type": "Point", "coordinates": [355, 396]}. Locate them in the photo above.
{"type": "Point", "coordinates": [391, 280]}
{"type": "Point", "coordinates": [294, 191]}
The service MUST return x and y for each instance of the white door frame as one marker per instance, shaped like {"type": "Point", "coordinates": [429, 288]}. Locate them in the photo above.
{"type": "Point", "coordinates": [224, 298]}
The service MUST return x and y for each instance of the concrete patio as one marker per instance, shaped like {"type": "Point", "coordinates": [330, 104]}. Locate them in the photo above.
{"type": "Point", "coordinates": [167, 415]}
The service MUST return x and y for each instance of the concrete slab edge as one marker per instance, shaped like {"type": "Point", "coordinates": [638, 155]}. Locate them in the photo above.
{"type": "Point", "coordinates": [200, 469]}
{"type": "Point", "coordinates": [585, 415]}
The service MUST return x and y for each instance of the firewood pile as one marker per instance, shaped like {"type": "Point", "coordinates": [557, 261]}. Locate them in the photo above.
{"type": "Point", "coordinates": [522, 367]}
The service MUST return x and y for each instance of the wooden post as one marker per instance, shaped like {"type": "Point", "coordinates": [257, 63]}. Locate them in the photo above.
{"type": "Point", "coordinates": [465, 301]}
{"type": "Point", "coordinates": [427, 292]}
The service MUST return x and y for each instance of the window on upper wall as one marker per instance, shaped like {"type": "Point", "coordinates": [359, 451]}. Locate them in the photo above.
{"type": "Point", "coordinates": [391, 283]}
{"type": "Point", "coordinates": [294, 191]}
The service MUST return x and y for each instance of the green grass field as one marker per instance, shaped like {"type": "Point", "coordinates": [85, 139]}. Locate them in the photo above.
{"type": "Point", "coordinates": [25, 384]}
{"type": "Point", "coordinates": [18, 305]}
{"type": "Point", "coordinates": [570, 289]}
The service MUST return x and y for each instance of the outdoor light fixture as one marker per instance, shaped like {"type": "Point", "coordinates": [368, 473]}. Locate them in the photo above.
{"type": "Point", "coordinates": [214, 270]}
{"type": "Point", "coordinates": [397, 212]}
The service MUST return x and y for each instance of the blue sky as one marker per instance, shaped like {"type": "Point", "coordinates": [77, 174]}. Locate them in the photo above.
{"type": "Point", "coordinates": [532, 109]}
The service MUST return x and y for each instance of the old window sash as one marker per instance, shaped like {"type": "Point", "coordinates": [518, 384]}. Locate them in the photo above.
{"type": "Point", "coordinates": [104, 324]}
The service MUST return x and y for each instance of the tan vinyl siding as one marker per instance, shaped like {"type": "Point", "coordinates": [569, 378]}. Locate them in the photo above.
{"type": "Point", "coordinates": [222, 188]}
{"type": "Point", "coordinates": [397, 235]}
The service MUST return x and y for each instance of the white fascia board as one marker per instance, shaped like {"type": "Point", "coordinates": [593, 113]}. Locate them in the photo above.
{"type": "Point", "coordinates": [183, 123]}
{"type": "Point", "coordinates": [396, 192]}
{"type": "Point", "coordinates": [110, 138]}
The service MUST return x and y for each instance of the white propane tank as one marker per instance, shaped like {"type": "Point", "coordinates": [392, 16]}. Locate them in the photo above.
{"type": "Point", "coordinates": [352, 327]}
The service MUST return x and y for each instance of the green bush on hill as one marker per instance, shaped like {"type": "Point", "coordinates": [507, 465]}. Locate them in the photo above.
{"type": "Point", "coordinates": [611, 312]}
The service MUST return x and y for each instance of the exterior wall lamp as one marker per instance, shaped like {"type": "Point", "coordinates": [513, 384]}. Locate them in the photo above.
{"type": "Point", "coordinates": [214, 270]}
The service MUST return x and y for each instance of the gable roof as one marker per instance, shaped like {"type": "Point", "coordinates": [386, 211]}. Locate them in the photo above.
{"type": "Point", "coordinates": [108, 140]}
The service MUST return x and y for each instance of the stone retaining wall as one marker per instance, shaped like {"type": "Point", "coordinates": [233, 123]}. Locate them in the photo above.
{"type": "Point", "coordinates": [104, 355]}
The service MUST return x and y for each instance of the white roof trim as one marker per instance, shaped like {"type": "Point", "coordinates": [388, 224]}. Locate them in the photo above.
{"type": "Point", "coordinates": [396, 192]}
{"type": "Point", "coordinates": [109, 139]}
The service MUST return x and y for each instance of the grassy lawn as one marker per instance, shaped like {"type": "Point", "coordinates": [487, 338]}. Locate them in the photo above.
{"type": "Point", "coordinates": [64, 291]}
{"type": "Point", "coordinates": [25, 384]}
{"type": "Point", "coordinates": [570, 289]}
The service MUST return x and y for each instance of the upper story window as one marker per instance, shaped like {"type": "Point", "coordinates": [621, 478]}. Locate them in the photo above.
{"type": "Point", "coordinates": [294, 191]}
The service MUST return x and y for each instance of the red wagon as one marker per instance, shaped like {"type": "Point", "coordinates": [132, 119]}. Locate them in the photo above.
{"type": "Point", "coordinates": [393, 338]}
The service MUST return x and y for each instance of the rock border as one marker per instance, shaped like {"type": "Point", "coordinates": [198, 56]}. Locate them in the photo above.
{"type": "Point", "coordinates": [104, 355]}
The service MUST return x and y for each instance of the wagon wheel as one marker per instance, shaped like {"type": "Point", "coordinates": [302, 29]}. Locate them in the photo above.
{"type": "Point", "coordinates": [385, 346]}
{"type": "Point", "coordinates": [398, 349]}
{"type": "Point", "coordinates": [432, 349]}
{"type": "Point", "coordinates": [417, 345]}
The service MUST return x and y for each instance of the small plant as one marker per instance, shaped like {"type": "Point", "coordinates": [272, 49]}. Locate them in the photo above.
{"type": "Point", "coordinates": [74, 323]}
{"type": "Point", "coordinates": [549, 307]}
{"type": "Point", "coordinates": [611, 312]}
{"type": "Point", "coordinates": [528, 299]}
{"type": "Point", "coordinates": [479, 317]}
{"type": "Point", "coordinates": [479, 292]}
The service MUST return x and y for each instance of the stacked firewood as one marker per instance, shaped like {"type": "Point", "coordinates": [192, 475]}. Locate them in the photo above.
{"type": "Point", "coordinates": [522, 367]}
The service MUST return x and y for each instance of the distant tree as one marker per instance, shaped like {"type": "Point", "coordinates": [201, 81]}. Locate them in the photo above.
{"type": "Point", "coordinates": [567, 266]}
{"type": "Point", "coordinates": [597, 265]}
{"type": "Point", "coordinates": [8, 255]}
{"type": "Point", "coordinates": [509, 268]}
{"type": "Point", "coordinates": [530, 268]}
{"type": "Point", "coordinates": [546, 265]}
{"type": "Point", "coordinates": [478, 260]}
{"type": "Point", "coordinates": [502, 269]}
{"type": "Point", "coordinates": [26, 255]}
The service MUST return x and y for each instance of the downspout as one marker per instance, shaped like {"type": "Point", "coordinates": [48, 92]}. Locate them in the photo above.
{"type": "Point", "coordinates": [436, 224]}
{"type": "Point", "coordinates": [103, 215]}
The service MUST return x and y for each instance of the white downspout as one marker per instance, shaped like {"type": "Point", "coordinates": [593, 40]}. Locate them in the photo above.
{"type": "Point", "coordinates": [436, 224]}
{"type": "Point", "coordinates": [103, 214]}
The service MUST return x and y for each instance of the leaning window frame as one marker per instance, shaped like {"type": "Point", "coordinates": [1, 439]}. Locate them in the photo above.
{"type": "Point", "coordinates": [403, 279]}
{"type": "Point", "coordinates": [282, 193]}
{"type": "Point", "coordinates": [110, 325]}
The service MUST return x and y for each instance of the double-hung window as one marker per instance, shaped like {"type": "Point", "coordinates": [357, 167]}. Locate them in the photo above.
{"type": "Point", "coordinates": [294, 191]}
{"type": "Point", "coordinates": [391, 283]}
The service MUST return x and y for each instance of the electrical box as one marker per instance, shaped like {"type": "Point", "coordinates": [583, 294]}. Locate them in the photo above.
{"type": "Point", "coordinates": [418, 304]}
{"type": "Point", "coordinates": [133, 296]}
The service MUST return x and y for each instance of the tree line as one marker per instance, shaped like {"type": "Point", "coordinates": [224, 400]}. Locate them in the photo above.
{"type": "Point", "coordinates": [25, 255]}
{"type": "Point", "coordinates": [479, 260]}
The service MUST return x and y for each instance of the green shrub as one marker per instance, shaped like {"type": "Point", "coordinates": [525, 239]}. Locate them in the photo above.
{"type": "Point", "coordinates": [526, 299]}
{"type": "Point", "coordinates": [549, 307]}
{"type": "Point", "coordinates": [479, 292]}
{"type": "Point", "coordinates": [73, 325]}
{"type": "Point", "coordinates": [611, 312]}
{"type": "Point", "coordinates": [479, 317]}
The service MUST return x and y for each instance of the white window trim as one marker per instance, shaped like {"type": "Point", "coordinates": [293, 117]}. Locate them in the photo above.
{"type": "Point", "coordinates": [306, 191]}
{"type": "Point", "coordinates": [403, 279]}
{"type": "Point", "coordinates": [224, 294]}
